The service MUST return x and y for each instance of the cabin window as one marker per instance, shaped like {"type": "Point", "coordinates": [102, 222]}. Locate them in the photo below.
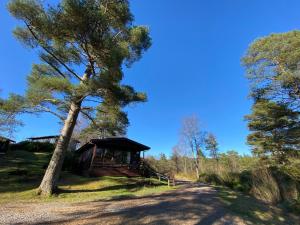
{"type": "Point", "coordinates": [120, 157]}
{"type": "Point", "coordinates": [128, 157]}
{"type": "Point", "coordinates": [114, 156]}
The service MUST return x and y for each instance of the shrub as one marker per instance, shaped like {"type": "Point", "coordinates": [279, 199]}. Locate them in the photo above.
{"type": "Point", "coordinates": [33, 146]}
{"type": "Point", "coordinates": [245, 181]}
{"type": "Point", "coordinates": [264, 186]}
{"type": "Point", "coordinates": [211, 178]}
{"type": "Point", "coordinates": [289, 187]}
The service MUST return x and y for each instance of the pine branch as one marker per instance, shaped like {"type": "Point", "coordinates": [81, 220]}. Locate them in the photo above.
{"type": "Point", "coordinates": [91, 61]}
{"type": "Point", "coordinates": [50, 53]}
{"type": "Point", "coordinates": [89, 117]}
{"type": "Point", "coordinates": [46, 109]}
{"type": "Point", "coordinates": [54, 67]}
{"type": "Point", "coordinates": [92, 100]}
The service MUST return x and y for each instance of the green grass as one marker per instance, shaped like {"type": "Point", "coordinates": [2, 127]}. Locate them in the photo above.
{"type": "Point", "coordinates": [254, 211]}
{"type": "Point", "coordinates": [21, 173]}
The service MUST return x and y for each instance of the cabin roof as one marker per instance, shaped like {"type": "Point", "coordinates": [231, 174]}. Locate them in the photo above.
{"type": "Point", "coordinates": [121, 143]}
{"type": "Point", "coordinates": [43, 137]}
{"type": "Point", "coordinates": [5, 139]}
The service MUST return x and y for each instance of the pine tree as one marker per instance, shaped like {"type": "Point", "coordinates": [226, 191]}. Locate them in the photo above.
{"type": "Point", "coordinates": [273, 70]}
{"type": "Point", "coordinates": [212, 146]}
{"type": "Point", "coordinates": [275, 130]}
{"type": "Point", "coordinates": [82, 45]}
{"type": "Point", "coordinates": [8, 115]}
{"type": "Point", "coordinates": [110, 121]}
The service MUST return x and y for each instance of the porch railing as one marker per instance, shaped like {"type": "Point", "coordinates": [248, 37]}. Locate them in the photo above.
{"type": "Point", "coordinates": [148, 170]}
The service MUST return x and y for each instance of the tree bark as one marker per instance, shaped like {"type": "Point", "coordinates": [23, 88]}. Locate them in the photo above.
{"type": "Point", "coordinates": [50, 179]}
{"type": "Point", "coordinates": [197, 170]}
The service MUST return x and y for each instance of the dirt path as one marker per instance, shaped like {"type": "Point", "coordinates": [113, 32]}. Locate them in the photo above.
{"type": "Point", "coordinates": [193, 204]}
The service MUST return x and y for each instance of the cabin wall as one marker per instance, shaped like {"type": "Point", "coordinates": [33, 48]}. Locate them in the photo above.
{"type": "Point", "coordinates": [4, 145]}
{"type": "Point", "coordinates": [116, 156]}
{"type": "Point", "coordinates": [104, 161]}
{"type": "Point", "coordinates": [85, 159]}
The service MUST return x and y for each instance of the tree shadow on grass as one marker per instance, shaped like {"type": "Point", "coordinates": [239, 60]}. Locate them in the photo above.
{"type": "Point", "coordinates": [21, 171]}
{"type": "Point", "coordinates": [133, 187]}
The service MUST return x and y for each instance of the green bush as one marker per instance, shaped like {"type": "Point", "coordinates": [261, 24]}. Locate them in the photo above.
{"type": "Point", "coordinates": [211, 178]}
{"type": "Point", "coordinates": [245, 181]}
{"type": "Point", "coordinates": [289, 187]}
{"type": "Point", "coordinates": [236, 181]}
{"type": "Point", "coordinates": [33, 146]}
{"type": "Point", "coordinates": [264, 186]}
{"type": "Point", "coordinates": [293, 206]}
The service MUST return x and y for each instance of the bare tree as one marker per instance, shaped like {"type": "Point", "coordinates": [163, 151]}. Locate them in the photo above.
{"type": "Point", "coordinates": [175, 157]}
{"type": "Point", "coordinates": [181, 150]}
{"type": "Point", "coordinates": [193, 138]}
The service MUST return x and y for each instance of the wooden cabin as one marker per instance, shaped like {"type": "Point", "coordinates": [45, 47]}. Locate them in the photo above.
{"type": "Point", "coordinates": [43, 139]}
{"type": "Point", "coordinates": [4, 144]}
{"type": "Point", "coordinates": [53, 140]}
{"type": "Point", "coordinates": [116, 156]}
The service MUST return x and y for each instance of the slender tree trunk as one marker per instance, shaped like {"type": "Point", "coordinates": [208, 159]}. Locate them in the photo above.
{"type": "Point", "coordinates": [197, 172]}
{"type": "Point", "coordinates": [50, 179]}
{"type": "Point", "coordinates": [196, 167]}
{"type": "Point", "coordinates": [185, 165]}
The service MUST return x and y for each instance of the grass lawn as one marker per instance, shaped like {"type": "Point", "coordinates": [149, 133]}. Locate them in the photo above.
{"type": "Point", "coordinates": [254, 211]}
{"type": "Point", "coordinates": [21, 173]}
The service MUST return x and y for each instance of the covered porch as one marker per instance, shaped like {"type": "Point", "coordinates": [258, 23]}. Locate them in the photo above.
{"type": "Point", "coordinates": [116, 156]}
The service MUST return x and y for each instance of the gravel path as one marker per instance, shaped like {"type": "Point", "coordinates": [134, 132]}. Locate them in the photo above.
{"type": "Point", "coordinates": [193, 204]}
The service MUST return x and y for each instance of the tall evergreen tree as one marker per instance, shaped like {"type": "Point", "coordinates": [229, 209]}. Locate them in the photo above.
{"type": "Point", "coordinates": [9, 109]}
{"type": "Point", "coordinates": [275, 130]}
{"type": "Point", "coordinates": [82, 45]}
{"type": "Point", "coordinates": [273, 69]}
{"type": "Point", "coordinates": [212, 146]}
{"type": "Point", "coordinates": [110, 121]}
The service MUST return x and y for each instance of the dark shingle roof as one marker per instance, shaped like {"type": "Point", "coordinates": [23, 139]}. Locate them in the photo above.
{"type": "Point", "coordinates": [121, 143]}
{"type": "Point", "coordinates": [5, 139]}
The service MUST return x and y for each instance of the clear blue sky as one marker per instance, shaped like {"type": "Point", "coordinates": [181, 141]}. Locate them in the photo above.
{"type": "Point", "coordinates": [193, 67]}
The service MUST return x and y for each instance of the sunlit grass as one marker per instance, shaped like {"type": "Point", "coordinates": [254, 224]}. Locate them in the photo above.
{"type": "Point", "coordinates": [21, 173]}
{"type": "Point", "coordinates": [253, 210]}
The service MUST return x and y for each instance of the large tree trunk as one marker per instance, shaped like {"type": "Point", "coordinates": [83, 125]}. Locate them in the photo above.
{"type": "Point", "coordinates": [49, 182]}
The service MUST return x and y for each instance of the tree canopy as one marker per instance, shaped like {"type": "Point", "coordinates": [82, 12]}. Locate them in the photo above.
{"type": "Point", "coordinates": [74, 38]}
{"type": "Point", "coordinates": [83, 47]}
{"type": "Point", "coordinates": [275, 130]}
{"type": "Point", "coordinates": [273, 69]}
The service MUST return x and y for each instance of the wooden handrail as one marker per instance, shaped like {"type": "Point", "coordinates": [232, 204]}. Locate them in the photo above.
{"type": "Point", "coordinates": [160, 176]}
